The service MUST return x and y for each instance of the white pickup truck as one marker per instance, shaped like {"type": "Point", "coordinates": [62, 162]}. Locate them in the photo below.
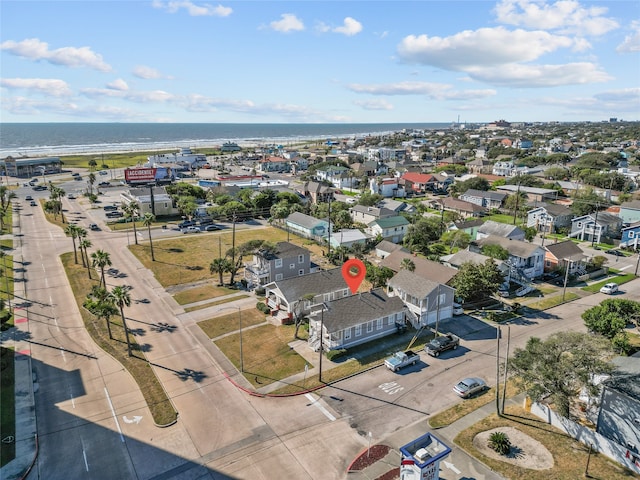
{"type": "Point", "coordinates": [401, 359]}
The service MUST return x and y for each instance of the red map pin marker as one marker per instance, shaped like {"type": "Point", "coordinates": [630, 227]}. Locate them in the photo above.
{"type": "Point", "coordinates": [353, 272]}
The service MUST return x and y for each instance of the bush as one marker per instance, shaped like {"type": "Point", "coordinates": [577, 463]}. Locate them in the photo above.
{"type": "Point", "coordinates": [333, 354]}
{"type": "Point", "coordinates": [260, 291]}
{"type": "Point", "coordinates": [499, 442]}
{"type": "Point", "coordinates": [262, 307]}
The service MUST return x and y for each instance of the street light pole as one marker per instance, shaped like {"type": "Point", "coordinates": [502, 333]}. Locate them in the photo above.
{"type": "Point", "coordinates": [241, 356]}
{"type": "Point", "coordinates": [566, 277]}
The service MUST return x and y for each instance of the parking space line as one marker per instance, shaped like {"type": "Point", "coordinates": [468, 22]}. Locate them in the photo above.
{"type": "Point", "coordinates": [315, 403]}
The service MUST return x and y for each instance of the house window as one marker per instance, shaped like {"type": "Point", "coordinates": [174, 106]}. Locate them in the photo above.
{"type": "Point", "coordinates": [379, 324]}
{"type": "Point", "coordinates": [442, 298]}
{"type": "Point", "coordinates": [369, 327]}
{"type": "Point", "coordinates": [292, 266]}
{"type": "Point", "coordinates": [300, 272]}
{"type": "Point", "coordinates": [345, 293]}
{"type": "Point", "coordinates": [300, 258]}
{"type": "Point", "coordinates": [579, 224]}
{"type": "Point", "coordinates": [347, 334]}
{"type": "Point", "coordinates": [278, 276]}
{"type": "Point", "coordinates": [278, 263]}
{"type": "Point", "coordinates": [358, 330]}
{"type": "Point", "coordinates": [632, 234]}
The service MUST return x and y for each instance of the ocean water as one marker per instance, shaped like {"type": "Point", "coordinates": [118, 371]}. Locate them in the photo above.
{"type": "Point", "coordinates": [58, 139]}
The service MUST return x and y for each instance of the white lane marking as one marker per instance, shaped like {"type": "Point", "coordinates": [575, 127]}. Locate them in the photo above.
{"type": "Point", "coordinates": [73, 400]}
{"type": "Point", "coordinates": [86, 464]}
{"type": "Point", "coordinates": [62, 353]}
{"type": "Point", "coordinates": [113, 412]}
{"type": "Point", "coordinates": [624, 268]}
{"type": "Point", "coordinates": [315, 403]}
{"type": "Point", "coordinates": [55, 320]}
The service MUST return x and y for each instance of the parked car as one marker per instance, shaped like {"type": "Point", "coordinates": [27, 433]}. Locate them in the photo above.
{"type": "Point", "coordinates": [609, 288]}
{"type": "Point", "coordinates": [39, 188]}
{"type": "Point", "coordinates": [401, 359]}
{"type": "Point", "coordinates": [442, 343]}
{"type": "Point", "coordinates": [78, 179]}
{"type": "Point", "coordinates": [28, 197]}
{"type": "Point", "coordinates": [187, 223]}
{"type": "Point", "coordinates": [114, 214]}
{"type": "Point", "coordinates": [191, 230]}
{"type": "Point", "coordinates": [71, 196]}
{"type": "Point", "coordinates": [75, 174]}
{"type": "Point", "coordinates": [617, 253]}
{"type": "Point", "coordinates": [94, 226]}
{"type": "Point", "coordinates": [211, 228]}
{"type": "Point", "coordinates": [103, 172]}
{"type": "Point", "coordinates": [457, 309]}
{"type": "Point", "coordinates": [109, 207]}
{"type": "Point", "coordinates": [104, 184]}
{"type": "Point", "coordinates": [33, 203]}
{"type": "Point", "coordinates": [469, 386]}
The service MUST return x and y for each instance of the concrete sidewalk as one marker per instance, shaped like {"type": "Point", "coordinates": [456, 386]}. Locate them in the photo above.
{"type": "Point", "coordinates": [25, 381]}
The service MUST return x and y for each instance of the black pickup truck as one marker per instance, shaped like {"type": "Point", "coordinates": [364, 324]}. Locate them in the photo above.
{"type": "Point", "coordinates": [442, 343]}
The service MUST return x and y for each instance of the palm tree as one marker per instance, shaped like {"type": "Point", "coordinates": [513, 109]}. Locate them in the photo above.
{"type": "Point", "coordinates": [120, 296]}
{"type": "Point", "coordinates": [6, 196]}
{"type": "Point", "coordinates": [93, 164]}
{"type": "Point", "coordinates": [407, 264]}
{"type": "Point", "coordinates": [101, 259]}
{"type": "Point", "coordinates": [220, 266]}
{"type": "Point", "coordinates": [72, 231]}
{"type": "Point", "coordinates": [101, 304]}
{"type": "Point", "coordinates": [147, 220]}
{"type": "Point", "coordinates": [92, 179]}
{"type": "Point", "coordinates": [84, 244]}
{"type": "Point", "coordinates": [131, 210]}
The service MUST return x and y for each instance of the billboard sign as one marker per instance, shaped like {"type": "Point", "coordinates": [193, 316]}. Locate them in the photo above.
{"type": "Point", "coordinates": [139, 175]}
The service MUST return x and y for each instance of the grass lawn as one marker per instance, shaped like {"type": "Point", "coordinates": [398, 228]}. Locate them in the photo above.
{"type": "Point", "coordinates": [619, 279]}
{"type": "Point", "coordinates": [215, 327]}
{"type": "Point", "coordinates": [503, 218]}
{"type": "Point", "coordinates": [215, 302]}
{"type": "Point", "coordinates": [6, 271]}
{"type": "Point", "coordinates": [111, 160]}
{"type": "Point", "coordinates": [161, 408]}
{"type": "Point", "coordinates": [203, 292]}
{"type": "Point", "coordinates": [269, 357]}
{"type": "Point", "coordinates": [552, 301]}
{"type": "Point", "coordinates": [186, 259]}
{"type": "Point", "coordinates": [7, 405]}
{"type": "Point", "coordinates": [570, 456]}
{"type": "Point", "coordinates": [465, 407]}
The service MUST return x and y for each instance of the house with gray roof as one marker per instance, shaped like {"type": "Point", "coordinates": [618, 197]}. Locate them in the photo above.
{"type": "Point", "coordinates": [549, 218]}
{"type": "Point", "coordinates": [366, 215]}
{"type": "Point", "coordinates": [563, 254]}
{"type": "Point", "coordinates": [396, 205]}
{"type": "Point", "coordinates": [385, 247]}
{"type": "Point", "coordinates": [300, 293]}
{"type": "Point", "coordinates": [428, 301]}
{"type": "Point", "coordinates": [505, 230]}
{"type": "Point", "coordinates": [489, 199]}
{"type": "Point", "coordinates": [354, 320]}
{"type": "Point", "coordinates": [307, 226]}
{"type": "Point", "coordinates": [427, 269]}
{"type": "Point", "coordinates": [596, 227]}
{"type": "Point", "coordinates": [390, 228]}
{"type": "Point", "coordinates": [287, 260]}
{"type": "Point", "coordinates": [464, 208]}
{"type": "Point", "coordinates": [348, 237]}
{"type": "Point", "coordinates": [469, 226]}
{"type": "Point", "coordinates": [534, 194]}
{"type": "Point", "coordinates": [317, 192]}
{"type": "Point", "coordinates": [526, 260]}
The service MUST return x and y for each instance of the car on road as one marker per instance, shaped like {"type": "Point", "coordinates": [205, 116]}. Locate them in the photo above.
{"type": "Point", "coordinates": [75, 174]}
{"type": "Point", "coordinates": [103, 172]}
{"type": "Point", "coordinates": [617, 253]}
{"type": "Point", "coordinates": [114, 214]}
{"type": "Point", "coordinates": [457, 309]}
{"type": "Point", "coordinates": [468, 387]}
{"type": "Point", "coordinates": [609, 288]}
{"type": "Point", "coordinates": [191, 230]}
{"type": "Point", "coordinates": [442, 343]}
{"type": "Point", "coordinates": [33, 203]}
{"type": "Point", "coordinates": [71, 196]}
{"type": "Point", "coordinates": [77, 179]}
{"type": "Point", "coordinates": [28, 197]}
{"type": "Point", "coordinates": [94, 227]}
{"type": "Point", "coordinates": [39, 188]}
{"type": "Point", "coordinates": [186, 223]}
{"type": "Point", "coordinates": [104, 184]}
{"type": "Point", "coordinates": [211, 228]}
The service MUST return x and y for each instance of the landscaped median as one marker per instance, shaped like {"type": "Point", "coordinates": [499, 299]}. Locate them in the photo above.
{"type": "Point", "coordinates": [159, 404]}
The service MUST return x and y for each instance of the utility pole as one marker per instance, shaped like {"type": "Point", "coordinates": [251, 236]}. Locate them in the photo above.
{"type": "Point", "coordinates": [595, 225]}
{"type": "Point", "coordinates": [506, 364]}
{"type": "Point", "coordinates": [498, 372]}
{"type": "Point", "coordinates": [321, 341]}
{"type": "Point", "coordinates": [566, 277]}
{"type": "Point", "coordinates": [515, 210]}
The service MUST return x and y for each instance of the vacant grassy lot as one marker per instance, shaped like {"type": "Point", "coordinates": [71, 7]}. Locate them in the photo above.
{"type": "Point", "coordinates": [7, 405]}
{"type": "Point", "coordinates": [215, 327]}
{"type": "Point", "coordinates": [268, 357]}
{"type": "Point", "coordinates": [161, 408]}
{"type": "Point", "coordinates": [570, 456]}
{"type": "Point", "coordinates": [186, 259]}
{"type": "Point", "coordinates": [202, 292]}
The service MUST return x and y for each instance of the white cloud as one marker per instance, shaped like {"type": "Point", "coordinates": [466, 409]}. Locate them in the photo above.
{"type": "Point", "coordinates": [631, 42]}
{"type": "Point", "coordinates": [204, 10]}
{"type": "Point", "coordinates": [288, 23]}
{"type": "Point", "coordinates": [436, 91]}
{"type": "Point", "coordinates": [374, 104]}
{"type": "Point", "coordinates": [147, 73]}
{"type": "Point", "coordinates": [47, 86]}
{"type": "Point", "coordinates": [519, 75]}
{"type": "Point", "coordinates": [35, 49]}
{"type": "Point", "coordinates": [118, 84]}
{"type": "Point", "coordinates": [566, 16]}
{"type": "Point", "coordinates": [483, 47]}
{"type": "Point", "coordinates": [349, 28]}
{"type": "Point", "coordinates": [154, 96]}
{"type": "Point", "coordinates": [629, 97]}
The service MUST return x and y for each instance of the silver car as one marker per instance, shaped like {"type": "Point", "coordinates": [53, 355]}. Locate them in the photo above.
{"type": "Point", "coordinates": [469, 386]}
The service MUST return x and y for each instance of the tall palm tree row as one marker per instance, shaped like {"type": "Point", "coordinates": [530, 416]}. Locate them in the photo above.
{"type": "Point", "coordinates": [6, 196]}
{"type": "Point", "coordinates": [101, 260]}
{"type": "Point", "coordinates": [120, 296]}
{"type": "Point", "coordinates": [71, 230]}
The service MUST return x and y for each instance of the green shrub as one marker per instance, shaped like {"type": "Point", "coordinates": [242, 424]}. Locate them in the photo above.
{"type": "Point", "coordinates": [260, 291]}
{"type": "Point", "coordinates": [262, 307]}
{"type": "Point", "coordinates": [333, 354]}
{"type": "Point", "coordinates": [499, 442]}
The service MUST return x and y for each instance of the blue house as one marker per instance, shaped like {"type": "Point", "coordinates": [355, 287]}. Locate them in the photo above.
{"type": "Point", "coordinates": [631, 236]}
{"type": "Point", "coordinates": [307, 226]}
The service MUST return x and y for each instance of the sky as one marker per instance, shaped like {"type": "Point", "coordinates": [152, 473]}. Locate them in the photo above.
{"type": "Point", "coordinates": [332, 61]}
